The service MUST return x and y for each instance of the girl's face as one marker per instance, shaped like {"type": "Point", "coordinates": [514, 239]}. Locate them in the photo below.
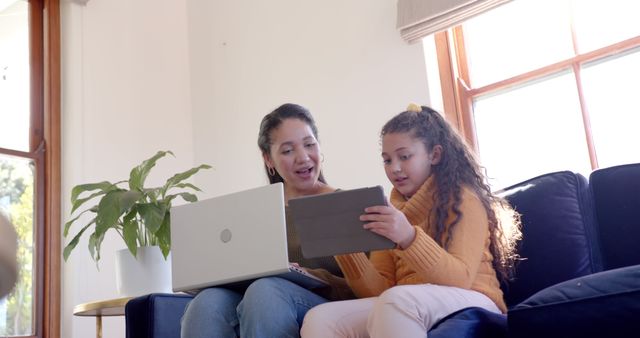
{"type": "Point", "coordinates": [407, 162]}
{"type": "Point", "coordinates": [295, 155]}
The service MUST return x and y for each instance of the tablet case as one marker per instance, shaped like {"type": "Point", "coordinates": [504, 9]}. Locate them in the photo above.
{"type": "Point", "coordinates": [329, 224]}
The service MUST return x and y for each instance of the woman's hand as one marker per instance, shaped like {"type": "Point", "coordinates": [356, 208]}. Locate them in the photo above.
{"type": "Point", "coordinates": [387, 221]}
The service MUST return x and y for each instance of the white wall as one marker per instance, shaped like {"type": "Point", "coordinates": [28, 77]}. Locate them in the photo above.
{"type": "Point", "coordinates": [125, 87]}
{"type": "Point", "coordinates": [197, 76]}
{"type": "Point", "coordinates": [344, 60]}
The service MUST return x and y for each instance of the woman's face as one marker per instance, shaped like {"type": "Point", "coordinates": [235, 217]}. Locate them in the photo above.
{"type": "Point", "coordinates": [295, 155]}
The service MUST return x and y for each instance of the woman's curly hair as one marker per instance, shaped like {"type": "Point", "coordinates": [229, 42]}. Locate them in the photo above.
{"type": "Point", "coordinates": [459, 168]}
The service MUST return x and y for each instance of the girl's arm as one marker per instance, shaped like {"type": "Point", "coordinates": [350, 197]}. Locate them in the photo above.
{"type": "Point", "coordinates": [368, 277]}
{"type": "Point", "coordinates": [458, 265]}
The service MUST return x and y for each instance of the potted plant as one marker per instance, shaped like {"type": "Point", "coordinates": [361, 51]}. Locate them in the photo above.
{"type": "Point", "coordinates": [140, 215]}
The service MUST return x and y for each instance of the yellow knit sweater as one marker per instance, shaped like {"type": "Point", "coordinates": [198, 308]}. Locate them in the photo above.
{"type": "Point", "coordinates": [466, 264]}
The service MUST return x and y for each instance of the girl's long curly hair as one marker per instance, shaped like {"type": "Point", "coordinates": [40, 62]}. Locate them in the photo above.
{"type": "Point", "coordinates": [457, 168]}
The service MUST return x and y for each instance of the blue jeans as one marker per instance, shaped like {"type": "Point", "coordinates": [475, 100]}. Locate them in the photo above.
{"type": "Point", "coordinates": [271, 307]}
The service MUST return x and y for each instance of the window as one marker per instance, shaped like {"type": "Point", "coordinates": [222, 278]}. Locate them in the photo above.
{"type": "Point", "coordinates": [29, 162]}
{"type": "Point", "coordinates": [545, 85]}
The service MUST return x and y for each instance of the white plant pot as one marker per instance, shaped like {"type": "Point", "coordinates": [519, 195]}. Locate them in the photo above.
{"type": "Point", "coordinates": [149, 273]}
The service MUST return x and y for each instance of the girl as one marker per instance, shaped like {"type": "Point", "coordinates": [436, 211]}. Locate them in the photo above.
{"type": "Point", "coordinates": [274, 307]}
{"type": "Point", "coordinates": [450, 251]}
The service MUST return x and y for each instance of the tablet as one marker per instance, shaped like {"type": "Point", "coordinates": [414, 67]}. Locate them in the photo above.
{"type": "Point", "coordinates": [329, 224]}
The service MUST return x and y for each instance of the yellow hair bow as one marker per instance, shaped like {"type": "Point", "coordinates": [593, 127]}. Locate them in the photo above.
{"type": "Point", "coordinates": [414, 108]}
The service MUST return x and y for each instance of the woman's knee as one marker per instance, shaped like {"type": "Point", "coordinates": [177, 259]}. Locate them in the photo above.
{"type": "Point", "coordinates": [265, 290]}
{"type": "Point", "coordinates": [265, 294]}
{"type": "Point", "coordinates": [211, 314]}
{"type": "Point", "coordinates": [213, 300]}
{"type": "Point", "coordinates": [268, 285]}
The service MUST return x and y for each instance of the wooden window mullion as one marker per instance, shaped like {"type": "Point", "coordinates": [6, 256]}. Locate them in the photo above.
{"type": "Point", "coordinates": [461, 55]}
{"type": "Point", "coordinates": [52, 169]}
{"type": "Point", "coordinates": [466, 112]}
{"type": "Point", "coordinates": [586, 120]}
{"type": "Point", "coordinates": [36, 71]}
{"type": "Point", "coordinates": [447, 80]}
{"type": "Point", "coordinates": [463, 82]}
{"type": "Point", "coordinates": [455, 92]}
{"type": "Point", "coordinates": [36, 149]}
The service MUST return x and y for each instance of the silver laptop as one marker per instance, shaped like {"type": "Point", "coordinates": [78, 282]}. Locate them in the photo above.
{"type": "Point", "coordinates": [231, 240]}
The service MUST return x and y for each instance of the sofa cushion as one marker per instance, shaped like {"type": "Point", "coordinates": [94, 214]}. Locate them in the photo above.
{"type": "Point", "coordinates": [605, 304]}
{"type": "Point", "coordinates": [559, 240]}
{"type": "Point", "coordinates": [616, 196]}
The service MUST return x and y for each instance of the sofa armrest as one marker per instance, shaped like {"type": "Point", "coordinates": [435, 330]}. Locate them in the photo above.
{"type": "Point", "coordinates": [156, 315]}
{"type": "Point", "coordinates": [604, 304]}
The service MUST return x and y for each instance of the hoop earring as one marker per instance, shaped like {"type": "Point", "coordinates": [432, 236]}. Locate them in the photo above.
{"type": "Point", "coordinates": [272, 171]}
{"type": "Point", "coordinates": [322, 160]}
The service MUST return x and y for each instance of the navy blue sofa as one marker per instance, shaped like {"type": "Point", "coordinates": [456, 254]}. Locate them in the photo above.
{"type": "Point", "coordinates": [579, 278]}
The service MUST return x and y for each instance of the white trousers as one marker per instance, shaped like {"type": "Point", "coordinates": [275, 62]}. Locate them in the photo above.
{"type": "Point", "coordinates": [402, 311]}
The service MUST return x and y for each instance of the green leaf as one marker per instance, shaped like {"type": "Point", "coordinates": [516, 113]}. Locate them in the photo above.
{"type": "Point", "coordinates": [95, 242]}
{"type": "Point", "coordinates": [130, 234]}
{"type": "Point", "coordinates": [187, 196]}
{"type": "Point", "coordinates": [177, 178]}
{"type": "Point", "coordinates": [152, 215]}
{"type": "Point", "coordinates": [109, 211]}
{"type": "Point", "coordinates": [187, 185]}
{"type": "Point", "coordinates": [92, 246]}
{"type": "Point", "coordinates": [77, 203]}
{"type": "Point", "coordinates": [128, 199]}
{"type": "Point", "coordinates": [67, 225]}
{"type": "Point", "coordinates": [74, 242]}
{"type": "Point", "coordinates": [79, 189]}
{"type": "Point", "coordinates": [164, 235]}
{"type": "Point", "coordinates": [131, 214]}
{"type": "Point", "coordinates": [152, 194]}
{"type": "Point", "coordinates": [139, 174]}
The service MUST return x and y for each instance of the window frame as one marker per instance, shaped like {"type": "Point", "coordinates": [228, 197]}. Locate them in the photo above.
{"type": "Point", "coordinates": [458, 96]}
{"type": "Point", "coordinates": [45, 151]}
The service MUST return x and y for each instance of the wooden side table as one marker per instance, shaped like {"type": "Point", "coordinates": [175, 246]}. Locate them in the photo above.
{"type": "Point", "coordinates": [110, 307]}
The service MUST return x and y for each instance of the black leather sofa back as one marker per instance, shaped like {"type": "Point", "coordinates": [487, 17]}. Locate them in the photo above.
{"type": "Point", "coordinates": [559, 235]}
{"type": "Point", "coordinates": [616, 196]}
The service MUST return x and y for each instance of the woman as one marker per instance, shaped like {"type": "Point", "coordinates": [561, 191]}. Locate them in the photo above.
{"type": "Point", "coordinates": [274, 307]}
